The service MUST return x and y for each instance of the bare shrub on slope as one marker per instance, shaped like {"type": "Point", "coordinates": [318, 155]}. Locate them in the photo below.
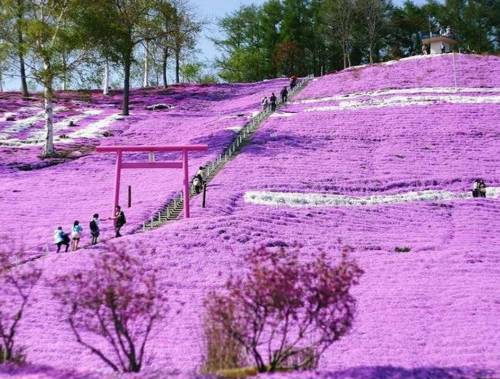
{"type": "Point", "coordinates": [221, 351]}
{"type": "Point", "coordinates": [284, 313]}
{"type": "Point", "coordinates": [117, 302]}
{"type": "Point", "coordinates": [18, 276]}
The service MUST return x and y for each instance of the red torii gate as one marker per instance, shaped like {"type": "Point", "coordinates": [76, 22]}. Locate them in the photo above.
{"type": "Point", "coordinates": [119, 150]}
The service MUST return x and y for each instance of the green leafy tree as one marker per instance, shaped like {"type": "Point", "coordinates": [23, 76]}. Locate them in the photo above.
{"type": "Point", "coordinates": [476, 22]}
{"type": "Point", "coordinates": [271, 16]}
{"type": "Point", "coordinates": [12, 23]}
{"type": "Point", "coordinates": [296, 35]}
{"type": "Point", "coordinates": [116, 28]}
{"type": "Point", "coordinates": [50, 36]}
{"type": "Point", "coordinates": [406, 24]}
{"type": "Point", "coordinates": [243, 57]}
{"type": "Point", "coordinates": [3, 65]}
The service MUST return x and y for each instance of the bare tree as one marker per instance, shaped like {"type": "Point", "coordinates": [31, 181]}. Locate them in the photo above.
{"type": "Point", "coordinates": [372, 12]}
{"type": "Point", "coordinates": [185, 29]}
{"type": "Point", "coordinates": [339, 17]}
{"type": "Point", "coordinates": [145, 82]}
{"type": "Point", "coordinates": [18, 277]}
{"type": "Point", "coordinates": [163, 45]}
{"type": "Point", "coordinates": [284, 313]}
{"type": "Point", "coordinates": [117, 300]}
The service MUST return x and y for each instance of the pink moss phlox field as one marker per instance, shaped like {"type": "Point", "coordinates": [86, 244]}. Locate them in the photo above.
{"type": "Point", "coordinates": [36, 201]}
{"type": "Point", "coordinates": [414, 72]}
{"type": "Point", "coordinates": [430, 312]}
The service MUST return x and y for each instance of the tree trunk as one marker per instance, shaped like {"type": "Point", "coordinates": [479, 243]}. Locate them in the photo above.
{"type": "Point", "coordinates": [1, 82]}
{"type": "Point", "coordinates": [65, 73]}
{"type": "Point", "coordinates": [164, 67]}
{"type": "Point", "coordinates": [370, 49]}
{"type": "Point", "coordinates": [22, 68]}
{"type": "Point", "coordinates": [49, 117]}
{"type": "Point", "coordinates": [177, 65]}
{"type": "Point", "coordinates": [145, 82]}
{"type": "Point", "coordinates": [126, 84]}
{"type": "Point", "coordinates": [105, 86]}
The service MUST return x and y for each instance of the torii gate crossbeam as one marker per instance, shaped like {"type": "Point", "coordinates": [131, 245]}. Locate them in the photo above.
{"type": "Point", "coordinates": [119, 150]}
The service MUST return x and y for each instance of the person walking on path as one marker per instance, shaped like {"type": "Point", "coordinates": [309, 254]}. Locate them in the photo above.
{"type": "Point", "coordinates": [199, 180]}
{"type": "Point", "coordinates": [293, 82]}
{"type": "Point", "coordinates": [61, 238]}
{"type": "Point", "coordinates": [265, 103]}
{"type": "Point", "coordinates": [273, 102]}
{"type": "Point", "coordinates": [94, 228]}
{"type": "Point", "coordinates": [284, 95]}
{"type": "Point", "coordinates": [76, 233]}
{"type": "Point", "coordinates": [119, 220]}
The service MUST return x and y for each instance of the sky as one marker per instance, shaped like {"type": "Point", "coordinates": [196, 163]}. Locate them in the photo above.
{"type": "Point", "coordinates": [211, 11]}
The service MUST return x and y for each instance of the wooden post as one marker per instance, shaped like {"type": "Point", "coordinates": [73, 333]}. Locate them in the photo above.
{"type": "Point", "coordinates": [204, 195]}
{"type": "Point", "coordinates": [129, 196]}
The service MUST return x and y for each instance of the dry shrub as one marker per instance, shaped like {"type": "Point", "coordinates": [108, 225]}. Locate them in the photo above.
{"type": "Point", "coordinates": [18, 277]}
{"type": "Point", "coordinates": [117, 301]}
{"type": "Point", "coordinates": [221, 351]}
{"type": "Point", "coordinates": [237, 373]}
{"type": "Point", "coordinates": [284, 314]}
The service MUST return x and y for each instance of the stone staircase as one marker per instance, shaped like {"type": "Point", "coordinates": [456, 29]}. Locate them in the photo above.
{"type": "Point", "coordinates": [173, 208]}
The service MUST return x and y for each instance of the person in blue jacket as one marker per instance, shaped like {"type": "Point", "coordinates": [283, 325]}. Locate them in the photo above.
{"type": "Point", "coordinates": [76, 233]}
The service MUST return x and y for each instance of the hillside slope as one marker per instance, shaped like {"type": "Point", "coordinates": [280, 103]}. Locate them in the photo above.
{"type": "Point", "coordinates": [36, 198]}
{"type": "Point", "coordinates": [379, 158]}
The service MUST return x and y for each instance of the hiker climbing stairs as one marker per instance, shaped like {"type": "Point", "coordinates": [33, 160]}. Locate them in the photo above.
{"type": "Point", "coordinates": [173, 208]}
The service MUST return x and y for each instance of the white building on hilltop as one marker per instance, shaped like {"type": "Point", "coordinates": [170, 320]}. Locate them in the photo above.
{"type": "Point", "coordinates": [440, 43]}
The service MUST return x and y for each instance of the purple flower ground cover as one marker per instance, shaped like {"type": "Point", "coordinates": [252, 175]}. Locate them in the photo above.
{"type": "Point", "coordinates": [414, 72]}
{"type": "Point", "coordinates": [431, 312]}
{"type": "Point", "coordinates": [34, 202]}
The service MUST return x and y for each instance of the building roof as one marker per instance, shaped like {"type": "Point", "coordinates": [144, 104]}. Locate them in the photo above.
{"type": "Point", "coordinates": [449, 40]}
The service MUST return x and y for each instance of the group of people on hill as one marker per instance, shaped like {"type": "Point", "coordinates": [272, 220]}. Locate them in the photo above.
{"type": "Point", "coordinates": [479, 188]}
{"type": "Point", "coordinates": [270, 103]}
{"type": "Point", "coordinates": [61, 238]}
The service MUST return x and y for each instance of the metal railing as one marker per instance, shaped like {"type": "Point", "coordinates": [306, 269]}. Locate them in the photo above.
{"type": "Point", "coordinates": [173, 208]}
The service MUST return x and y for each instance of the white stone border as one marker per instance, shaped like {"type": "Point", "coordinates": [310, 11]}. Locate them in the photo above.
{"type": "Point", "coordinates": [405, 101]}
{"type": "Point", "coordinates": [401, 91]}
{"type": "Point", "coordinates": [297, 199]}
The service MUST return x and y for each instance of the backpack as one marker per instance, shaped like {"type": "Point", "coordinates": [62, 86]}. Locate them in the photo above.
{"type": "Point", "coordinates": [121, 219]}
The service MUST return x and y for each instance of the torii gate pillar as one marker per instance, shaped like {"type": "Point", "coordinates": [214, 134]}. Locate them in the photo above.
{"type": "Point", "coordinates": [120, 165]}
